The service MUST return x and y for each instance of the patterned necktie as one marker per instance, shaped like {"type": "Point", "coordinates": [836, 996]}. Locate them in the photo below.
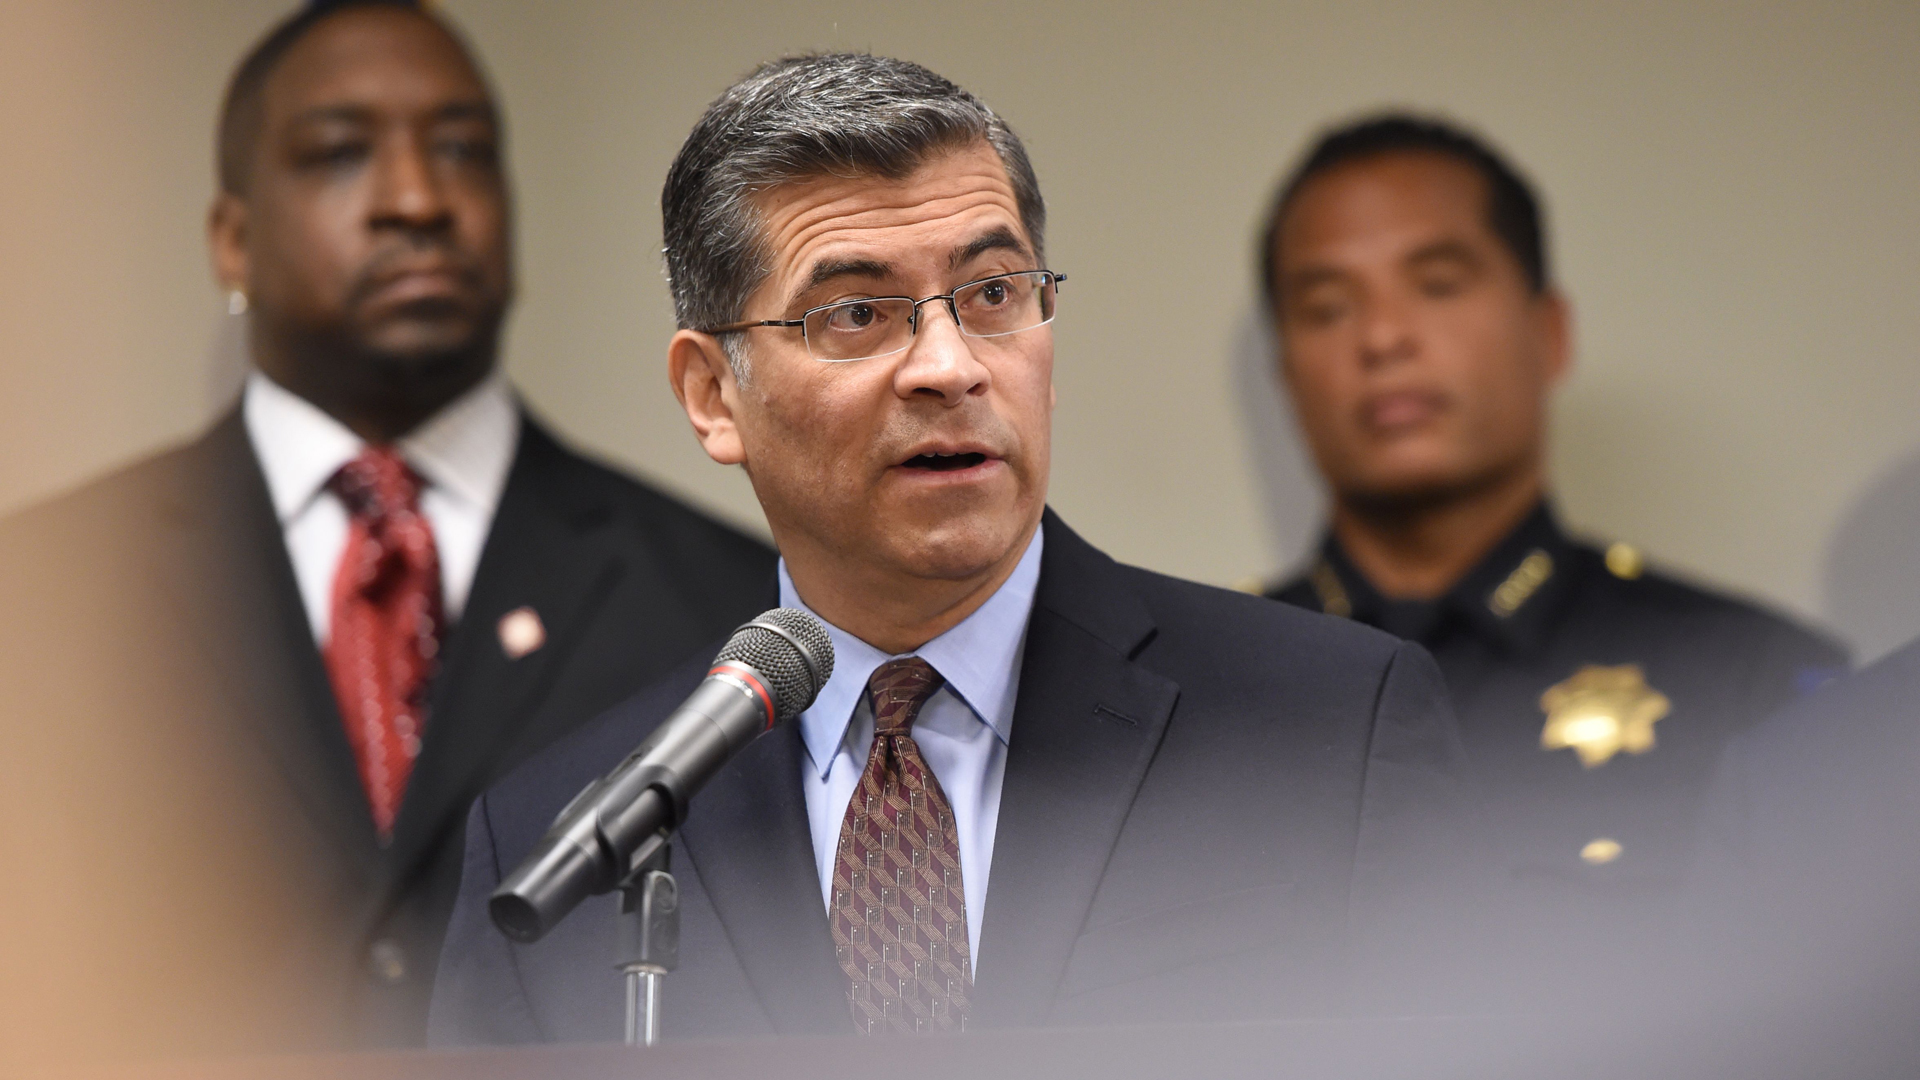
{"type": "Point", "coordinates": [386, 625]}
{"type": "Point", "coordinates": [899, 911]}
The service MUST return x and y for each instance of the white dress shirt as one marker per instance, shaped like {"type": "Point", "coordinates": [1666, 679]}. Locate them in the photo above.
{"type": "Point", "coordinates": [962, 730]}
{"type": "Point", "coordinates": [463, 452]}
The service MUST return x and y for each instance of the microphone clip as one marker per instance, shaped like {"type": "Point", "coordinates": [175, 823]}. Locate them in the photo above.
{"type": "Point", "coordinates": [649, 935]}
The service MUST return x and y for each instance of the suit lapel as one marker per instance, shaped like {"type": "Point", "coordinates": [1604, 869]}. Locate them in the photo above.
{"type": "Point", "coordinates": [551, 550]}
{"type": "Point", "coordinates": [220, 556]}
{"type": "Point", "coordinates": [748, 839]}
{"type": "Point", "coordinates": [1086, 723]}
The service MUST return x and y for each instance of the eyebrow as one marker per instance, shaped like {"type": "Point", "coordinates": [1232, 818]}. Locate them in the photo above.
{"type": "Point", "coordinates": [1309, 277]}
{"type": "Point", "coordinates": [1436, 251]}
{"type": "Point", "coordinates": [363, 114]}
{"type": "Point", "coordinates": [998, 239]}
{"type": "Point", "coordinates": [357, 114]}
{"type": "Point", "coordinates": [1441, 250]}
{"type": "Point", "coordinates": [832, 269]}
{"type": "Point", "coordinates": [468, 110]}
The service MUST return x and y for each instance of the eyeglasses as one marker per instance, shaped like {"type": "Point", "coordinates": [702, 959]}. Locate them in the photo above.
{"type": "Point", "coordinates": [883, 325]}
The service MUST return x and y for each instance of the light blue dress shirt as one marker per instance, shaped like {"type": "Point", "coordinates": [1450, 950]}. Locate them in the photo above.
{"type": "Point", "coordinates": [962, 730]}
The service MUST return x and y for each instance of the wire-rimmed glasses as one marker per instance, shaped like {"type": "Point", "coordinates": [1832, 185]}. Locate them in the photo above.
{"type": "Point", "coordinates": [883, 325]}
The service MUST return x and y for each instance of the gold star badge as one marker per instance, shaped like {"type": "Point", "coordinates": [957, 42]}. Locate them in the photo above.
{"type": "Point", "coordinates": [1601, 711]}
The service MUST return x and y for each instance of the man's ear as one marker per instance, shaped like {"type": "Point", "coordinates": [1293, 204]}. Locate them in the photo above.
{"type": "Point", "coordinates": [703, 381]}
{"type": "Point", "coordinates": [227, 241]}
{"type": "Point", "coordinates": [1556, 329]}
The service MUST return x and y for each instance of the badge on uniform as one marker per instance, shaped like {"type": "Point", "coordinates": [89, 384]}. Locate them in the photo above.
{"type": "Point", "coordinates": [1601, 711]}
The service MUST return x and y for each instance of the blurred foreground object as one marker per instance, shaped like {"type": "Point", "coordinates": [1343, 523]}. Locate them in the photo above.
{"type": "Point", "coordinates": [1805, 908]}
{"type": "Point", "coordinates": [1385, 1049]}
{"type": "Point", "coordinates": [253, 683]}
{"type": "Point", "coordinates": [1421, 337]}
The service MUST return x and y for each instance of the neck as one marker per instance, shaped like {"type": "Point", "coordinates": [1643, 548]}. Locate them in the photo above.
{"type": "Point", "coordinates": [893, 611]}
{"type": "Point", "coordinates": [379, 398]}
{"type": "Point", "coordinates": [1418, 549]}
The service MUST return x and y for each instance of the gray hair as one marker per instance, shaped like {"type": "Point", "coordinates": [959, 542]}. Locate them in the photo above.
{"type": "Point", "coordinates": [800, 118]}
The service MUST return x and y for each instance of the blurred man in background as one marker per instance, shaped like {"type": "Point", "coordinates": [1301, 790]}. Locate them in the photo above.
{"type": "Point", "coordinates": [1421, 337]}
{"type": "Point", "coordinates": [258, 679]}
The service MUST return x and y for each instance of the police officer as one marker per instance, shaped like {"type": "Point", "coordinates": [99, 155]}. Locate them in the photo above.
{"type": "Point", "coordinates": [1421, 337]}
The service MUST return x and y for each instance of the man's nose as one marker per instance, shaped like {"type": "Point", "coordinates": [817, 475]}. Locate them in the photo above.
{"type": "Point", "coordinates": [1386, 332]}
{"type": "Point", "coordinates": [407, 193]}
{"type": "Point", "coordinates": [940, 360]}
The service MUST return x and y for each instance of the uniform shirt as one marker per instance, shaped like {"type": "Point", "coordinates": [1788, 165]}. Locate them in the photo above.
{"type": "Point", "coordinates": [463, 452]}
{"type": "Point", "coordinates": [1536, 612]}
{"type": "Point", "coordinates": [962, 730]}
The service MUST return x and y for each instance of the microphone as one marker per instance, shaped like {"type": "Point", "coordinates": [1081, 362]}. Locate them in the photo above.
{"type": "Point", "coordinates": [770, 670]}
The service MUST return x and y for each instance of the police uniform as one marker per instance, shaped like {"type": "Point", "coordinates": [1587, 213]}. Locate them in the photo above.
{"type": "Point", "coordinates": [1593, 695]}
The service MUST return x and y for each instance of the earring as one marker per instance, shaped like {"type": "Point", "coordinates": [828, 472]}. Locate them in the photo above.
{"type": "Point", "coordinates": [236, 303]}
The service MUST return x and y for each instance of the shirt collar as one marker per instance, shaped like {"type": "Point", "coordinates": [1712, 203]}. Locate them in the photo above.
{"type": "Point", "coordinates": [299, 446]}
{"type": "Point", "coordinates": [979, 658]}
{"type": "Point", "coordinates": [1514, 592]}
{"type": "Point", "coordinates": [1509, 596]}
{"type": "Point", "coordinates": [465, 449]}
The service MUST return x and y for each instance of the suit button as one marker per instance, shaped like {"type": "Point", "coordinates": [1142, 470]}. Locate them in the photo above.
{"type": "Point", "coordinates": [387, 961]}
{"type": "Point", "coordinates": [1600, 852]}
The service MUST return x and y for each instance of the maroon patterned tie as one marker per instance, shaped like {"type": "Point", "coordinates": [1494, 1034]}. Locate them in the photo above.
{"type": "Point", "coordinates": [899, 911]}
{"type": "Point", "coordinates": [386, 625]}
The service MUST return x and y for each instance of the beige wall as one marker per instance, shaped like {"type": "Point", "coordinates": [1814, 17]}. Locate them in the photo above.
{"type": "Point", "coordinates": [1732, 193]}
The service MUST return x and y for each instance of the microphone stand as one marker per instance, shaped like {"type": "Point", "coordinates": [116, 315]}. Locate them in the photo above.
{"type": "Point", "coordinates": [649, 942]}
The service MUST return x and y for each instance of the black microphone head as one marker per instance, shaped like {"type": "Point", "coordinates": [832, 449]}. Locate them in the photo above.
{"type": "Point", "coordinates": [791, 649]}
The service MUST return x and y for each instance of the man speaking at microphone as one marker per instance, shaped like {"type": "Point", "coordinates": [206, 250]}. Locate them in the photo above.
{"type": "Point", "coordinates": [1039, 787]}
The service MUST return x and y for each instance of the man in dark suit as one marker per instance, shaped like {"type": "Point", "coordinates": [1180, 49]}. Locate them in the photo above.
{"type": "Point", "coordinates": [283, 659]}
{"type": "Point", "coordinates": [1422, 334]}
{"type": "Point", "coordinates": [1040, 787]}
{"type": "Point", "coordinates": [1801, 929]}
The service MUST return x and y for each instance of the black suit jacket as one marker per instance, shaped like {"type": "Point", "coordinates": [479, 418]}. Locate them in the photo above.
{"type": "Point", "coordinates": [1804, 915]}
{"type": "Point", "coordinates": [1210, 802]}
{"type": "Point", "coordinates": [158, 608]}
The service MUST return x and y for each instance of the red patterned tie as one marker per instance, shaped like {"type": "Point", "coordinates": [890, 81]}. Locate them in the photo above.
{"type": "Point", "coordinates": [386, 624]}
{"type": "Point", "coordinates": [899, 910]}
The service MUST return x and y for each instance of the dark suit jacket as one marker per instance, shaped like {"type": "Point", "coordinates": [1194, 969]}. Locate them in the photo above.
{"type": "Point", "coordinates": [157, 608]}
{"type": "Point", "coordinates": [1806, 910]}
{"type": "Point", "coordinates": [1210, 801]}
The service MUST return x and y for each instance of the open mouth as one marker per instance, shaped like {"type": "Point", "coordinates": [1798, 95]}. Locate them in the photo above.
{"type": "Point", "coordinates": [944, 462]}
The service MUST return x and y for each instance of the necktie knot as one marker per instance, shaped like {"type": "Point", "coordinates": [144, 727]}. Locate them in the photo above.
{"type": "Point", "coordinates": [392, 539]}
{"type": "Point", "coordinates": [378, 485]}
{"type": "Point", "coordinates": [897, 690]}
